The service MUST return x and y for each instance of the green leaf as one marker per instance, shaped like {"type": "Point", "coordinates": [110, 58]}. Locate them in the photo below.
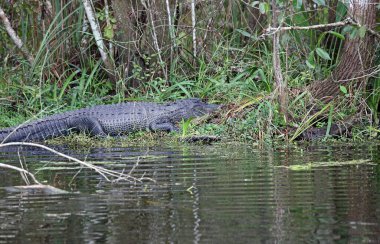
{"type": "Point", "coordinates": [264, 7]}
{"type": "Point", "coordinates": [180, 38]}
{"type": "Point", "coordinates": [329, 121]}
{"type": "Point", "coordinates": [347, 29]}
{"type": "Point", "coordinates": [343, 89]}
{"type": "Point", "coordinates": [113, 20]}
{"type": "Point", "coordinates": [320, 2]}
{"type": "Point", "coordinates": [298, 4]}
{"type": "Point", "coordinates": [300, 19]}
{"type": "Point", "coordinates": [341, 11]}
{"type": "Point", "coordinates": [108, 32]}
{"type": "Point", "coordinates": [310, 62]}
{"type": "Point", "coordinates": [245, 33]}
{"type": "Point", "coordinates": [185, 125]}
{"type": "Point", "coordinates": [322, 53]}
{"type": "Point", "coordinates": [285, 39]}
{"type": "Point", "coordinates": [362, 31]}
{"type": "Point", "coordinates": [340, 36]}
{"type": "Point", "coordinates": [353, 33]}
{"type": "Point", "coordinates": [262, 75]}
{"type": "Point", "coordinates": [310, 65]}
{"type": "Point", "coordinates": [254, 3]}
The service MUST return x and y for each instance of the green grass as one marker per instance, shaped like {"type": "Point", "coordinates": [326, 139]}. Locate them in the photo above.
{"type": "Point", "coordinates": [139, 139]}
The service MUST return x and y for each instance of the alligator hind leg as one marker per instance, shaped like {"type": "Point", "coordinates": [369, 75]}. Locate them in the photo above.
{"type": "Point", "coordinates": [88, 125]}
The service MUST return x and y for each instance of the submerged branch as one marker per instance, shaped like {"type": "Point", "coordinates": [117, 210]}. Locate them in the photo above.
{"type": "Point", "coordinates": [23, 171]}
{"type": "Point", "coordinates": [106, 173]}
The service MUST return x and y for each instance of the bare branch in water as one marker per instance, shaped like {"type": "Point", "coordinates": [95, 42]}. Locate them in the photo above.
{"type": "Point", "coordinates": [108, 175]}
{"type": "Point", "coordinates": [23, 171]}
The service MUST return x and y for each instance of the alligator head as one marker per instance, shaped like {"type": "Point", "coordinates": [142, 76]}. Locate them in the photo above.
{"type": "Point", "coordinates": [192, 107]}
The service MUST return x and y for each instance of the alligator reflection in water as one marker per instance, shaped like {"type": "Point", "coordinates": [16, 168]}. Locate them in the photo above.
{"type": "Point", "coordinates": [204, 194]}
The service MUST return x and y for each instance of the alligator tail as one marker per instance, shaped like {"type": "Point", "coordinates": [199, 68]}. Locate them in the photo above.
{"type": "Point", "coordinates": [34, 131]}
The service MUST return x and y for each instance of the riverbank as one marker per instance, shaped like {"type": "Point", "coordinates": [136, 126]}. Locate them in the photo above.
{"type": "Point", "coordinates": [240, 122]}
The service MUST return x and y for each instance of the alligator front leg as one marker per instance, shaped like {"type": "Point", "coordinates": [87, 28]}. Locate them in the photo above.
{"type": "Point", "coordinates": [88, 125]}
{"type": "Point", "coordinates": [163, 126]}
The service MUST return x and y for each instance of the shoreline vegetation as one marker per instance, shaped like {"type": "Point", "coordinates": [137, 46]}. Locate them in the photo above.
{"type": "Point", "coordinates": [285, 71]}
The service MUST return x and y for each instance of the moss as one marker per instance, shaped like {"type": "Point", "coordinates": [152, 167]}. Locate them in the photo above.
{"type": "Point", "coordinates": [82, 141]}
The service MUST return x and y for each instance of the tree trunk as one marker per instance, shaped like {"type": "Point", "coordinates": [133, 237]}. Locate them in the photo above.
{"type": "Point", "coordinates": [358, 53]}
{"type": "Point", "coordinates": [281, 84]}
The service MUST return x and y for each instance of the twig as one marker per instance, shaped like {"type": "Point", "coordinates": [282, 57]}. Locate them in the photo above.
{"type": "Point", "coordinates": [130, 172]}
{"type": "Point", "coordinates": [148, 7]}
{"type": "Point", "coordinates": [75, 176]}
{"type": "Point", "coordinates": [271, 30]}
{"type": "Point", "coordinates": [13, 35]}
{"type": "Point", "coordinates": [134, 166]}
{"type": "Point", "coordinates": [21, 171]}
{"type": "Point", "coordinates": [310, 27]}
{"type": "Point", "coordinates": [23, 175]}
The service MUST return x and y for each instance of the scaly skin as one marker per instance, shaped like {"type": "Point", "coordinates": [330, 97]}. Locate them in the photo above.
{"type": "Point", "coordinates": [113, 120]}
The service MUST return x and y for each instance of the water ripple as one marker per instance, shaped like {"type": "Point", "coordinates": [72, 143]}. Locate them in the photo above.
{"type": "Point", "coordinates": [211, 194]}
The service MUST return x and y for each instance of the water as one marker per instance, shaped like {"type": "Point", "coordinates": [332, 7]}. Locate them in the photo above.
{"type": "Point", "coordinates": [203, 194]}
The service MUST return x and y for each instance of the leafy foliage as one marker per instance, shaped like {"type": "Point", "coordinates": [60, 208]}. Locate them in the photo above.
{"type": "Point", "coordinates": [232, 65]}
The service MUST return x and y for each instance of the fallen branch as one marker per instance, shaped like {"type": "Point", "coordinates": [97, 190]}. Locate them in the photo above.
{"type": "Point", "coordinates": [13, 35]}
{"type": "Point", "coordinates": [45, 189]}
{"type": "Point", "coordinates": [37, 186]}
{"type": "Point", "coordinates": [23, 171]}
{"type": "Point", "coordinates": [106, 173]}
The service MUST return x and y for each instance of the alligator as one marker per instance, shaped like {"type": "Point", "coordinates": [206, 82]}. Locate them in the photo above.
{"type": "Point", "coordinates": [109, 120]}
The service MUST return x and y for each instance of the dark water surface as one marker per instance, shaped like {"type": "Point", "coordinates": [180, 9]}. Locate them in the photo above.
{"type": "Point", "coordinates": [203, 194]}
